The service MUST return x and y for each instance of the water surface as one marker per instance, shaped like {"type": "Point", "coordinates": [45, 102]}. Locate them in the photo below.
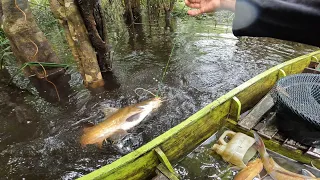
{"type": "Point", "coordinates": [39, 138]}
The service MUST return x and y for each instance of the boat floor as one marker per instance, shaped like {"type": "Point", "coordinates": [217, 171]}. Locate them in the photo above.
{"type": "Point", "coordinates": [262, 119]}
{"type": "Point", "coordinates": [266, 128]}
{"type": "Point", "coordinates": [203, 163]}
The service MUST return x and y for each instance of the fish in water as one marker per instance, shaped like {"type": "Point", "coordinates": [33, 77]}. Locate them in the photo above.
{"type": "Point", "coordinates": [252, 170]}
{"type": "Point", "coordinates": [118, 123]}
{"type": "Point", "coordinates": [273, 169]}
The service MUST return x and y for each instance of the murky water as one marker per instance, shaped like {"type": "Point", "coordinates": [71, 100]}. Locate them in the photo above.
{"type": "Point", "coordinates": [40, 140]}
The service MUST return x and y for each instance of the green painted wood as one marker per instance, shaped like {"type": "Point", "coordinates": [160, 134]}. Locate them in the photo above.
{"type": "Point", "coordinates": [236, 104]}
{"type": "Point", "coordinates": [164, 160]}
{"type": "Point", "coordinates": [170, 175]}
{"type": "Point", "coordinates": [183, 138]}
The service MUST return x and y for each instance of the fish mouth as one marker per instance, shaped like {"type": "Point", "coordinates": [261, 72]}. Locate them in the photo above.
{"type": "Point", "coordinates": [156, 102]}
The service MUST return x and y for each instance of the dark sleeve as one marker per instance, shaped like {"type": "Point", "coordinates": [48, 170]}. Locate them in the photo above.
{"type": "Point", "coordinates": [293, 20]}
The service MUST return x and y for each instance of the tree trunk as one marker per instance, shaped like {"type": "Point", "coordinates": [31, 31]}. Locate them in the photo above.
{"type": "Point", "coordinates": [76, 34]}
{"type": "Point", "coordinates": [133, 21]}
{"type": "Point", "coordinates": [27, 41]}
{"type": "Point", "coordinates": [132, 11]}
{"type": "Point", "coordinates": [167, 10]}
{"type": "Point", "coordinates": [1, 14]}
{"type": "Point", "coordinates": [93, 18]}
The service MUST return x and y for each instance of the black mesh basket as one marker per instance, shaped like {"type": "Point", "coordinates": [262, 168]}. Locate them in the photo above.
{"type": "Point", "coordinates": [297, 99]}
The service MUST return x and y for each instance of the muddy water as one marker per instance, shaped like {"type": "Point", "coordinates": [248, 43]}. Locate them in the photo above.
{"type": "Point", "coordinates": [39, 138]}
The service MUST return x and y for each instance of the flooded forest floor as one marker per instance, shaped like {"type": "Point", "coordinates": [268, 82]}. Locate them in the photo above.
{"type": "Point", "coordinates": [39, 138]}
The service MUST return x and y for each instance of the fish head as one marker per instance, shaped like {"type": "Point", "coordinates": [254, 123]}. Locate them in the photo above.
{"type": "Point", "coordinates": [156, 102]}
{"type": "Point", "coordinates": [152, 104]}
{"type": "Point", "coordinates": [259, 145]}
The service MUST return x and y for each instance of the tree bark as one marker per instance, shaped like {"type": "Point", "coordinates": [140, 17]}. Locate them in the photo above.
{"type": "Point", "coordinates": [93, 18]}
{"type": "Point", "coordinates": [132, 11]}
{"type": "Point", "coordinates": [167, 10]}
{"type": "Point", "coordinates": [77, 37]}
{"type": "Point", "coordinates": [27, 41]}
{"type": "Point", "coordinates": [1, 15]}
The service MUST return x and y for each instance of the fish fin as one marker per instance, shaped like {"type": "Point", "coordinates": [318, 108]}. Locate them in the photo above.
{"type": "Point", "coordinates": [99, 144]}
{"type": "Point", "coordinates": [133, 117]}
{"type": "Point", "coordinates": [87, 128]}
{"type": "Point", "coordinates": [108, 111]}
{"type": "Point", "coordinates": [235, 168]}
{"type": "Point", "coordinates": [118, 135]}
{"type": "Point", "coordinates": [307, 173]}
{"type": "Point", "coordinates": [287, 173]}
{"type": "Point", "coordinates": [258, 176]}
{"type": "Point", "coordinates": [259, 145]}
{"type": "Point", "coordinates": [83, 145]}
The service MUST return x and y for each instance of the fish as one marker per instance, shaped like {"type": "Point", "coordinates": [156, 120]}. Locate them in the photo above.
{"type": "Point", "coordinates": [252, 170]}
{"type": "Point", "coordinates": [116, 125]}
{"type": "Point", "coordinates": [274, 170]}
{"type": "Point", "coordinates": [307, 173]}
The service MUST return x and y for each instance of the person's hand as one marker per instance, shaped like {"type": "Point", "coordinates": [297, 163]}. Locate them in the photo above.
{"type": "Point", "coordinates": [205, 6]}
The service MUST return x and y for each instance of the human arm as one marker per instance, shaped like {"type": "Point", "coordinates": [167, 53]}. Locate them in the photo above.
{"type": "Point", "coordinates": [205, 6]}
{"type": "Point", "coordinates": [294, 20]}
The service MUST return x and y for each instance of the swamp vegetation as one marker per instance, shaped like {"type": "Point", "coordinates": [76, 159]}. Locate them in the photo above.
{"type": "Point", "coordinates": [63, 61]}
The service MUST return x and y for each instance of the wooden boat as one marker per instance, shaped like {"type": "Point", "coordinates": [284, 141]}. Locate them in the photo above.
{"type": "Point", "coordinates": [225, 111]}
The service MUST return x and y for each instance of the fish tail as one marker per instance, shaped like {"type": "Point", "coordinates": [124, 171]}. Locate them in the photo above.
{"type": "Point", "coordinates": [260, 145]}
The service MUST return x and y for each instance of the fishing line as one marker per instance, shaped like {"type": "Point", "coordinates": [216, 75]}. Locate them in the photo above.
{"type": "Point", "coordinates": [140, 95]}
{"type": "Point", "coordinates": [166, 68]}
{"type": "Point", "coordinates": [167, 65]}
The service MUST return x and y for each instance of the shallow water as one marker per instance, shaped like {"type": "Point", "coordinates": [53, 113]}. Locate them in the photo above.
{"type": "Point", "coordinates": [40, 139]}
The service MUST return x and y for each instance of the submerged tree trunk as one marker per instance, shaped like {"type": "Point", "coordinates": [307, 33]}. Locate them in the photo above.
{"type": "Point", "coordinates": [133, 20]}
{"type": "Point", "coordinates": [132, 11]}
{"type": "Point", "coordinates": [27, 41]}
{"type": "Point", "coordinates": [93, 18]}
{"type": "Point", "coordinates": [167, 10]}
{"type": "Point", "coordinates": [76, 34]}
{"type": "Point", "coordinates": [1, 15]}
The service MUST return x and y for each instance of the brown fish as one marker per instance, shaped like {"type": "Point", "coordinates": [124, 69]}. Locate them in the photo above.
{"type": "Point", "coordinates": [274, 170]}
{"type": "Point", "coordinates": [252, 170]}
{"type": "Point", "coordinates": [118, 123]}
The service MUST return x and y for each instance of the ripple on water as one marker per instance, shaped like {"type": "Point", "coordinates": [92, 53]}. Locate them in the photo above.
{"type": "Point", "coordinates": [207, 62]}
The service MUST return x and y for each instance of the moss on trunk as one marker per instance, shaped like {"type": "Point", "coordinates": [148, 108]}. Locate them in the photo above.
{"type": "Point", "coordinates": [27, 41]}
{"type": "Point", "coordinates": [77, 36]}
{"type": "Point", "coordinates": [93, 19]}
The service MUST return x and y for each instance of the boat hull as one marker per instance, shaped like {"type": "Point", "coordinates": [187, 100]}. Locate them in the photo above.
{"type": "Point", "coordinates": [183, 138]}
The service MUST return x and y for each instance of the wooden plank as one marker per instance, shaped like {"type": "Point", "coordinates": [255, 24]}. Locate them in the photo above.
{"type": "Point", "coordinates": [270, 129]}
{"type": "Point", "coordinates": [257, 112]}
{"type": "Point", "coordinates": [313, 65]}
{"type": "Point", "coordinates": [167, 172]}
{"type": "Point", "coordinates": [314, 152]}
{"type": "Point", "coordinates": [310, 70]}
{"type": "Point", "coordinates": [160, 176]}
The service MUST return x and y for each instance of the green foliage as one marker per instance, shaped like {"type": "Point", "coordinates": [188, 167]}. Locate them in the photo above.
{"type": "Point", "coordinates": [43, 64]}
{"type": "Point", "coordinates": [39, 3]}
{"type": "Point", "coordinates": [180, 9]}
{"type": "Point", "coordinates": [5, 51]}
{"type": "Point", "coordinates": [52, 30]}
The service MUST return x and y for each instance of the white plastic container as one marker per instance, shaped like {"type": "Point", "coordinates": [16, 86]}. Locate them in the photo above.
{"type": "Point", "coordinates": [238, 151]}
